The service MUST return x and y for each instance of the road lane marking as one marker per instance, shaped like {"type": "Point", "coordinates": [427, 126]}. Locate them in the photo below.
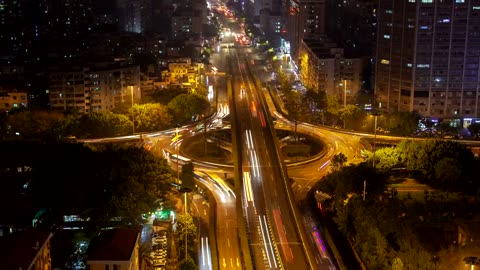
{"type": "Point", "coordinates": [228, 240]}
{"type": "Point", "coordinates": [224, 263]}
{"type": "Point", "coordinates": [238, 262]}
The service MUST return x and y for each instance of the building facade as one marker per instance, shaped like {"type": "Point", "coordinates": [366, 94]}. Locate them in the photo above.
{"type": "Point", "coordinates": [14, 99]}
{"type": "Point", "coordinates": [428, 58]}
{"type": "Point", "coordinates": [94, 89]}
{"type": "Point", "coordinates": [323, 67]}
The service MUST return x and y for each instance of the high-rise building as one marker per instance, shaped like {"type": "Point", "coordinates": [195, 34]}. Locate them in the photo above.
{"type": "Point", "coordinates": [428, 58]}
{"type": "Point", "coordinates": [305, 20]}
{"type": "Point", "coordinates": [134, 15]}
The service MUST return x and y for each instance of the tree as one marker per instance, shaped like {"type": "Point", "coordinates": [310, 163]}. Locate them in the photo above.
{"type": "Point", "coordinates": [338, 161]}
{"type": "Point", "coordinates": [387, 158]}
{"type": "Point", "coordinates": [150, 117]}
{"type": "Point", "coordinates": [397, 264]}
{"type": "Point", "coordinates": [165, 95]}
{"type": "Point", "coordinates": [353, 116]}
{"type": "Point", "coordinates": [103, 124]}
{"type": "Point", "coordinates": [446, 129]}
{"type": "Point", "coordinates": [185, 106]}
{"type": "Point", "coordinates": [474, 129]}
{"type": "Point", "coordinates": [403, 123]}
{"type": "Point", "coordinates": [448, 171]}
{"type": "Point", "coordinates": [110, 185]}
{"type": "Point", "coordinates": [187, 177]}
{"type": "Point", "coordinates": [188, 264]}
{"type": "Point", "coordinates": [333, 109]}
{"type": "Point", "coordinates": [35, 124]}
{"type": "Point", "coordinates": [297, 109]}
{"type": "Point", "coordinates": [185, 227]}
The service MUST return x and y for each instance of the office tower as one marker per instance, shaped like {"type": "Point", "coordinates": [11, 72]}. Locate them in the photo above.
{"type": "Point", "coordinates": [427, 58]}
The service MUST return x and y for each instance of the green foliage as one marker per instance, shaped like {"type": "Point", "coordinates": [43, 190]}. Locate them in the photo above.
{"type": "Point", "coordinates": [387, 158]}
{"type": "Point", "coordinates": [73, 179]}
{"type": "Point", "coordinates": [165, 95]}
{"type": "Point", "coordinates": [103, 124]}
{"type": "Point", "coordinates": [338, 161]}
{"type": "Point", "coordinates": [316, 99]}
{"type": "Point", "coordinates": [185, 226]}
{"type": "Point", "coordinates": [187, 177]}
{"type": "Point", "coordinates": [397, 264]}
{"type": "Point", "coordinates": [35, 124]}
{"type": "Point", "coordinates": [353, 116]}
{"type": "Point", "coordinates": [185, 106]}
{"type": "Point", "coordinates": [150, 117]}
{"type": "Point", "coordinates": [448, 171]}
{"type": "Point", "coordinates": [349, 180]}
{"type": "Point", "coordinates": [446, 129]}
{"type": "Point", "coordinates": [403, 123]}
{"type": "Point", "coordinates": [474, 129]}
{"type": "Point", "coordinates": [297, 108]}
{"type": "Point", "coordinates": [188, 264]}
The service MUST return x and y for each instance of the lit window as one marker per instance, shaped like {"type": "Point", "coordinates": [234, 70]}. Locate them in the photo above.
{"type": "Point", "coordinates": [423, 65]}
{"type": "Point", "coordinates": [476, 7]}
{"type": "Point", "coordinates": [409, 65]}
{"type": "Point", "coordinates": [459, 1]}
{"type": "Point", "coordinates": [427, 1]}
{"type": "Point", "coordinates": [385, 61]}
{"type": "Point", "coordinates": [411, 1]}
{"type": "Point", "coordinates": [386, 36]}
{"type": "Point", "coordinates": [388, 11]}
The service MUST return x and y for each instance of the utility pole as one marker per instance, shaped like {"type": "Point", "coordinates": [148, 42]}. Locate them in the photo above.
{"type": "Point", "coordinates": [133, 114]}
{"type": "Point", "coordinates": [375, 138]}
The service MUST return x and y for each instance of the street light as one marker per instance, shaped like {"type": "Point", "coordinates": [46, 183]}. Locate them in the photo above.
{"type": "Point", "coordinates": [375, 114]}
{"type": "Point", "coordinates": [133, 113]}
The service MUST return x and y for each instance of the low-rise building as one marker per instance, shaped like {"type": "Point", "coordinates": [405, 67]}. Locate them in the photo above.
{"type": "Point", "coordinates": [115, 249]}
{"type": "Point", "coordinates": [13, 99]}
{"type": "Point", "coordinates": [27, 250]}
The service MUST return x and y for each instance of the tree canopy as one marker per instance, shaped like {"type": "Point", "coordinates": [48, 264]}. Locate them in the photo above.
{"type": "Point", "coordinates": [114, 184]}
{"type": "Point", "coordinates": [150, 117]}
{"type": "Point", "coordinates": [185, 106]}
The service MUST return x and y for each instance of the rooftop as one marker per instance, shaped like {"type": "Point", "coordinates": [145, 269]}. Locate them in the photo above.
{"type": "Point", "coordinates": [18, 251]}
{"type": "Point", "coordinates": [113, 245]}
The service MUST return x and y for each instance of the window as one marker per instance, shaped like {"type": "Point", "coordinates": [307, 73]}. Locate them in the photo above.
{"type": "Point", "coordinates": [386, 36]}
{"type": "Point", "coordinates": [423, 65]}
{"type": "Point", "coordinates": [385, 61]}
{"type": "Point", "coordinates": [459, 1]}
{"type": "Point", "coordinates": [427, 1]}
{"type": "Point", "coordinates": [388, 11]}
{"type": "Point", "coordinates": [411, 1]}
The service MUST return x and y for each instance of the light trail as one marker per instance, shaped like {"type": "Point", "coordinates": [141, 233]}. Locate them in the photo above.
{"type": "Point", "coordinates": [282, 235]}
{"type": "Point", "coordinates": [268, 247]}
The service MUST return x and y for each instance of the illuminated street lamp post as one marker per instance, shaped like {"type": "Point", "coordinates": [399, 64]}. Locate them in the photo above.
{"type": "Point", "coordinates": [375, 138]}
{"type": "Point", "coordinates": [133, 113]}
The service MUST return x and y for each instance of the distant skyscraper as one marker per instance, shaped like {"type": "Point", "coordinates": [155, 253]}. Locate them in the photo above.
{"type": "Point", "coordinates": [428, 58]}
{"type": "Point", "coordinates": [135, 15]}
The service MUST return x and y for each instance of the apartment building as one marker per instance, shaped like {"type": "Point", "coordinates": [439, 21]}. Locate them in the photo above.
{"type": "Point", "coordinates": [324, 67]}
{"type": "Point", "coordinates": [94, 89]}
{"type": "Point", "coordinates": [12, 99]}
{"type": "Point", "coordinates": [428, 58]}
